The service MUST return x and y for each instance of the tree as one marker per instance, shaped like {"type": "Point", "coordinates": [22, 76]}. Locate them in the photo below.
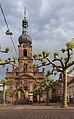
{"type": "Point", "coordinates": [4, 83]}
{"type": "Point", "coordinates": [8, 81]}
{"type": "Point", "coordinates": [44, 87]}
{"type": "Point", "coordinates": [60, 64]}
{"type": "Point", "coordinates": [7, 61]}
{"type": "Point", "coordinates": [48, 85]}
{"type": "Point", "coordinates": [10, 93]}
{"type": "Point", "coordinates": [39, 92]}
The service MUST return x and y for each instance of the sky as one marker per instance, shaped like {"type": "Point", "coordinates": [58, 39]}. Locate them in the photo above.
{"type": "Point", "coordinates": [51, 24]}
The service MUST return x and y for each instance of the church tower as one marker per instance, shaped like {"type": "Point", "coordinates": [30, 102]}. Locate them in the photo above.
{"type": "Point", "coordinates": [25, 60]}
{"type": "Point", "coordinates": [25, 49]}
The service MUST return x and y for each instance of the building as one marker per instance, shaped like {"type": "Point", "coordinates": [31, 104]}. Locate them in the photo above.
{"type": "Point", "coordinates": [24, 73]}
{"type": "Point", "coordinates": [71, 90]}
{"type": "Point", "coordinates": [57, 90]}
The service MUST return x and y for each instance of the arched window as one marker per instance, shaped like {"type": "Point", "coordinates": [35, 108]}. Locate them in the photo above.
{"type": "Point", "coordinates": [25, 85]}
{"type": "Point", "coordinates": [25, 52]}
{"type": "Point", "coordinates": [25, 68]}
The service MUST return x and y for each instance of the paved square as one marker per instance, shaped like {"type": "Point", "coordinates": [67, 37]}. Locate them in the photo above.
{"type": "Point", "coordinates": [36, 114]}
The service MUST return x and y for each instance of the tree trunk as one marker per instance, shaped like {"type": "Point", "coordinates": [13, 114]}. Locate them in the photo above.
{"type": "Point", "coordinates": [39, 99]}
{"type": "Point", "coordinates": [47, 98]}
{"type": "Point", "coordinates": [19, 95]}
{"type": "Point", "coordinates": [4, 95]}
{"type": "Point", "coordinates": [64, 104]}
{"type": "Point", "coordinates": [12, 99]}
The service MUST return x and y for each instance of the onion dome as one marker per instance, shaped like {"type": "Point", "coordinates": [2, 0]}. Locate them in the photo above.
{"type": "Point", "coordinates": [25, 38]}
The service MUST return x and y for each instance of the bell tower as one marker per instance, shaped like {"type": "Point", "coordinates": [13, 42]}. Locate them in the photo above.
{"type": "Point", "coordinates": [25, 48]}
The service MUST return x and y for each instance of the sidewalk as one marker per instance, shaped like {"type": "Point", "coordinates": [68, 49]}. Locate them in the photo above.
{"type": "Point", "coordinates": [36, 106]}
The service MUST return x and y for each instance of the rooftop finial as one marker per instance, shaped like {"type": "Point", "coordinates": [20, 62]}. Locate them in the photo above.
{"type": "Point", "coordinates": [24, 13]}
{"type": "Point", "coordinates": [24, 22]}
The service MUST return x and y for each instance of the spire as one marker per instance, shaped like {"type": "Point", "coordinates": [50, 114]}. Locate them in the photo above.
{"type": "Point", "coordinates": [25, 22]}
{"type": "Point", "coordinates": [25, 38]}
{"type": "Point", "coordinates": [24, 13]}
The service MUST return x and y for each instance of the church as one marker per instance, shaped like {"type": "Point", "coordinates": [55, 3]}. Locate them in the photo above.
{"type": "Point", "coordinates": [24, 72]}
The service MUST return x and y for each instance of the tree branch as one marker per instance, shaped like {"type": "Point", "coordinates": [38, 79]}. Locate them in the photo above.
{"type": "Point", "coordinates": [70, 64]}
{"type": "Point", "coordinates": [51, 62]}
{"type": "Point", "coordinates": [68, 58]}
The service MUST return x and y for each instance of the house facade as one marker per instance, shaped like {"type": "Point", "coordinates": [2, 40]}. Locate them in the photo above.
{"type": "Point", "coordinates": [71, 91]}
{"type": "Point", "coordinates": [57, 90]}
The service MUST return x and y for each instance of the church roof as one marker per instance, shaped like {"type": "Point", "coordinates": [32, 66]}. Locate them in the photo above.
{"type": "Point", "coordinates": [25, 38]}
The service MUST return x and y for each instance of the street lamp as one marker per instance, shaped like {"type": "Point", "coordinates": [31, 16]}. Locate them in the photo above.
{"type": "Point", "coordinates": [8, 32]}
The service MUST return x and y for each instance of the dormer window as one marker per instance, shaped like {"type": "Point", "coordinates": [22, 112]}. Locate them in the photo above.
{"type": "Point", "coordinates": [25, 53]}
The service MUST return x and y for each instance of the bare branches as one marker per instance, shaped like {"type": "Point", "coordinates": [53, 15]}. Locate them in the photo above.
{"type": "Point", "coordinates": [58, 63]}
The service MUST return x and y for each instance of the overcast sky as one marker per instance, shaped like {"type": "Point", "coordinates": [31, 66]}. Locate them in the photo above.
{"type": "Point", "coordinates": [51, 23]}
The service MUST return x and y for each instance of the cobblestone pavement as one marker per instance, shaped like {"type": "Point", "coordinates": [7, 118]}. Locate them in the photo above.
{"type": "Point", "coordinates": [37, 114]}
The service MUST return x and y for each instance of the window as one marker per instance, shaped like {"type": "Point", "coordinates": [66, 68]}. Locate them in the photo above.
{"type": "Point", "coordinates": [16, 73]}
{"type": "Point", "coordinates": [25, 52]}
{"type": "Point", "coordinates": [25, 68]}
{"type": "Point", "coordinates": [25, 85]}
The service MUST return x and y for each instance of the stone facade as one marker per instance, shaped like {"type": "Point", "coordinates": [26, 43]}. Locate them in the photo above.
{"type": "Point", "coordinates": [24, 73]}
